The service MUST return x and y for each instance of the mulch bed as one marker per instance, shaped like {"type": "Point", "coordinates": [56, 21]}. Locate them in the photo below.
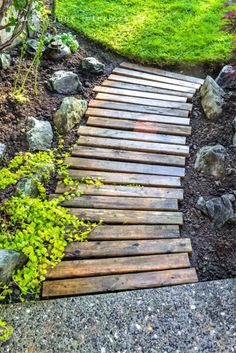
{"type": "Point", "coordinates": [214, 251]}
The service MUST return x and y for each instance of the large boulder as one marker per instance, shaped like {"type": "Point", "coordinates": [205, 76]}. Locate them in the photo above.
{"type": "Point", "coordinates": [92, 66]}
{"type": "Point", "coordinates": [39, 134]}
{"type": "Point", "coordinates": [69, 114]}
{"type": "Point", "coordinates": [210, 160]}
{"type": "Point", "coordinates": [10, 260]}
{"type": "Point", "coordinates": [64, 82]}
{"type": "Point", "coordinates": [212, 98]}
{"type": "Point", "coordinates": [5, 61]}
{"type": "Point", "coordinates": [2, 151]}
{"type": "Point", "coordinates": [227, 77]}
{"type": "Point", "coordinates": [219, 209]}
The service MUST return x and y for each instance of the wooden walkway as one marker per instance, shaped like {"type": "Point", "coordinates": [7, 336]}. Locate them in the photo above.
{"type": "Point", "coordinates": [135, 141]}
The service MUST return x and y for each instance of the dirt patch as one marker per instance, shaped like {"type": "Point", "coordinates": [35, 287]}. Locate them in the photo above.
{"type": "Point", "coordinates": [213, 251]}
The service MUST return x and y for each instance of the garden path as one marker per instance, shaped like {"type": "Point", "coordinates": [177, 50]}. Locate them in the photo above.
{"type": "Point", "coordinates": [135, 142]}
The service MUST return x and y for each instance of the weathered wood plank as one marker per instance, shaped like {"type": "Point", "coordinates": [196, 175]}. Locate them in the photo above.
{"type": "Point", "coordinates": [125, 191]}
{"type": "Point", "coordinates": [140, 146]}
{"type": "Point", "coordinates": [139, 81]}
{"type": "Point", "coordinates": [97, 249]}
{"type": "Point", "coordinates": [118, 265]}
{"type": "Point", "coordinates": [141, 126]}
{"type": "Point", "coordinates": [144, 109]}
{"type": "Point", "coordinates": [113, 283]}
{"type": "Point", "coordinates": [145, 88]}
{"type": "Point", "coordinates": [125, 167]}
{"type": "Point", "coordinates": [133, 135]}
{"type": "Point", "coordinates": [131, 232]}
{"type": "Point", "coordinates": [154, 70]}
{"type": "Point", "coordinates": [128, 216]}
{"type": "Point", "coordinates": [143, 101]}
{"type": "Point", "coordinates": [128, 156]}
{"type": "Point", "coordinates": [121, 203]}
{"type": "Point", "coordinates": [124, 178]}
{"type": "Point", "coordinates": [154, 77]}
{"type": "Point", "coordinates": [140, 94]}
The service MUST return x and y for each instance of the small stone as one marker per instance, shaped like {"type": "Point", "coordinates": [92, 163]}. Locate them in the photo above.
{"type": "Point", "coordinates": [64, 82]}
{"type": "Point", "coordinates": [69, 114]}
{"type": "Point", "coordinates": [2, 151]}
{"type": "Point", "coordinates": [212, 98]}
{"type": "Point", "coordinates": [201, 205]}
{"type": "Point", "coordinates": [227, 77]}
{"type": "Point", "coordinates": [9, 261]}
{"type": "Point", "coordinates": [210, 160]}
{"type": "Point", "coordinates": [39, 134]}
{"type": "Point", "coordinates": [32, 46]}
{"type": "Point", "coordinates": [92, 66]}
{"type": "Point", "coordinates": [57, 51]}
{"type": "Point", "coordinates": [5, 61]}
{"type": "Point", "coordinates": [27, 187]}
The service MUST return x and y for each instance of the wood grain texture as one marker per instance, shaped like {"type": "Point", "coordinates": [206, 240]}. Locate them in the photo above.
{"type": "Point", "coordinates": [113, 283]}
{"type": "Point", "coordinates": [128, 216]}
{"type": "Point", "coordinates": [125, 167]}
{"type": "Point", "coordinates": [140, 94]}
{"type": "Point", "coordinates": [143, 101]}
{"type": "Point", "coordinates": [144, 109]}
{"type": "Point", "coordinates": [124, 178]}
{"type": "Point", "coordinates": [154, 70]}
{"type": "Point", "coordinates": [130, 135]}
{"type": "Point", "coordinates": [100, 249]}
{"type": "Point", "coordinates": [130, 145]}
{"type": "Point", "coordinates": [141, 126]}
{"type": "Point", "coordinates": [145, 88]}
{"type": "Point", "coordinates": [128, 156]}
{"type": "Point", "coordinates": [155, 77]}
{"type": "Point", "coordinates": [125, 191]}
{"type": "Point", "coordinates": [117, 265]}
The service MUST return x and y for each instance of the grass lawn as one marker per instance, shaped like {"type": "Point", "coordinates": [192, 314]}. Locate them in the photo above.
{"type": "Point", "coordinates": [158, 31]}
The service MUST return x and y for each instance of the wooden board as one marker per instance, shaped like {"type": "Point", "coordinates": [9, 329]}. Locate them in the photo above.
{"type": "Point", "coordinates": [155, 118]}
{"type": "Point", "coordinates": [128, 156]}
{"type": "Point", "coordinates": [130, 145]}
{"type": "Point", "coordinates": [143, 101]}
{"type": "Point", "coordinates": [140, 94]}
{"type": "Point", "coordinates": [118, 265]}
{"type": "Point", "coordinates": [157, 71]}
{"type": "Point", "coordinates": [129, 217]}
{"type": "Point", "coordinates": [97, 249]}
{"type": "Point", "coordinates": [150, 83]}
{"type": "Point", "coordinates": [125, 167]}
{"type": "Point", "coordinates": [141, 126]}
{"type": "Point", "coordinates": [121, 203]}
{"type": "Point", "coordinates": [144, 109]}
{"type": "Point", "coordinates": [154, 77]}
{"type": "Point", "coordinates": [125, 191]}
{"type": "Point", "coordinates": [124, 178]}
{"type": "Point", "coordinates": [143, 88]}
{"type": "Point", "coordinates": [133, 135]}
{"type": "Point", "coordinates": [118, 282]}
{"type": "Point", "coordinates": [131, 232]}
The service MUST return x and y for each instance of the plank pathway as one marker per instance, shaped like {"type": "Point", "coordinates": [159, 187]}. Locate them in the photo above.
{"type": "Point", "coordinates": [135, 142]}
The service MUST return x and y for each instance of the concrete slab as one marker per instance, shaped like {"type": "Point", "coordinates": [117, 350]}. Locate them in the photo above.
{"type": "Point", "coordinates": [198, 318]}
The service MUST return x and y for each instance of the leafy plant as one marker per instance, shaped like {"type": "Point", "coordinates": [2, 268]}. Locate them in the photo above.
{"type": "Point", "coordinates": [67, 38]}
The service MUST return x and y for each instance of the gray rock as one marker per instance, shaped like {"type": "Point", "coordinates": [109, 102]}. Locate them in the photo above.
{"type": "Point", "coordinates": [234, 127]}
{"type": "Point", "coordinates": [28, 187]}
{"type": "Point", "coordinates": [212, 98]}
{"type": "Point", "coordinates": [57, 51]}
{"type": "Point", "coordinates": [9, 261]}
{"type": "Point", "coordinates": [64, 82]}
{"type": "Point", "coordinates": [2, 151]}
{"type": "Point", "coordinates": [32, 46]}
{"type": "Point", "coordinates": [210, 160]}
{"type": "Point", "coordinates": [227, 77]}
{"type": "Point", "coordinates": [5, 61]}
{"type": "Point", "coordinates": [219, 209]}
{"type": "Point", "coordinates": [92, 66]}
{"type": "Point", "coordinates": [69, 114]}
{"type": "Point", "coordinates": [39, 134]}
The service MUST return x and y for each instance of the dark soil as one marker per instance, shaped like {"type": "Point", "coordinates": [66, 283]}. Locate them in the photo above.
{"type": "Point", "coordinates": [214, 253]}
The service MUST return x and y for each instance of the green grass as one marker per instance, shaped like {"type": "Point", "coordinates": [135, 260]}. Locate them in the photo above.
{"type": "Point", "coordinates": [158, 31]}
